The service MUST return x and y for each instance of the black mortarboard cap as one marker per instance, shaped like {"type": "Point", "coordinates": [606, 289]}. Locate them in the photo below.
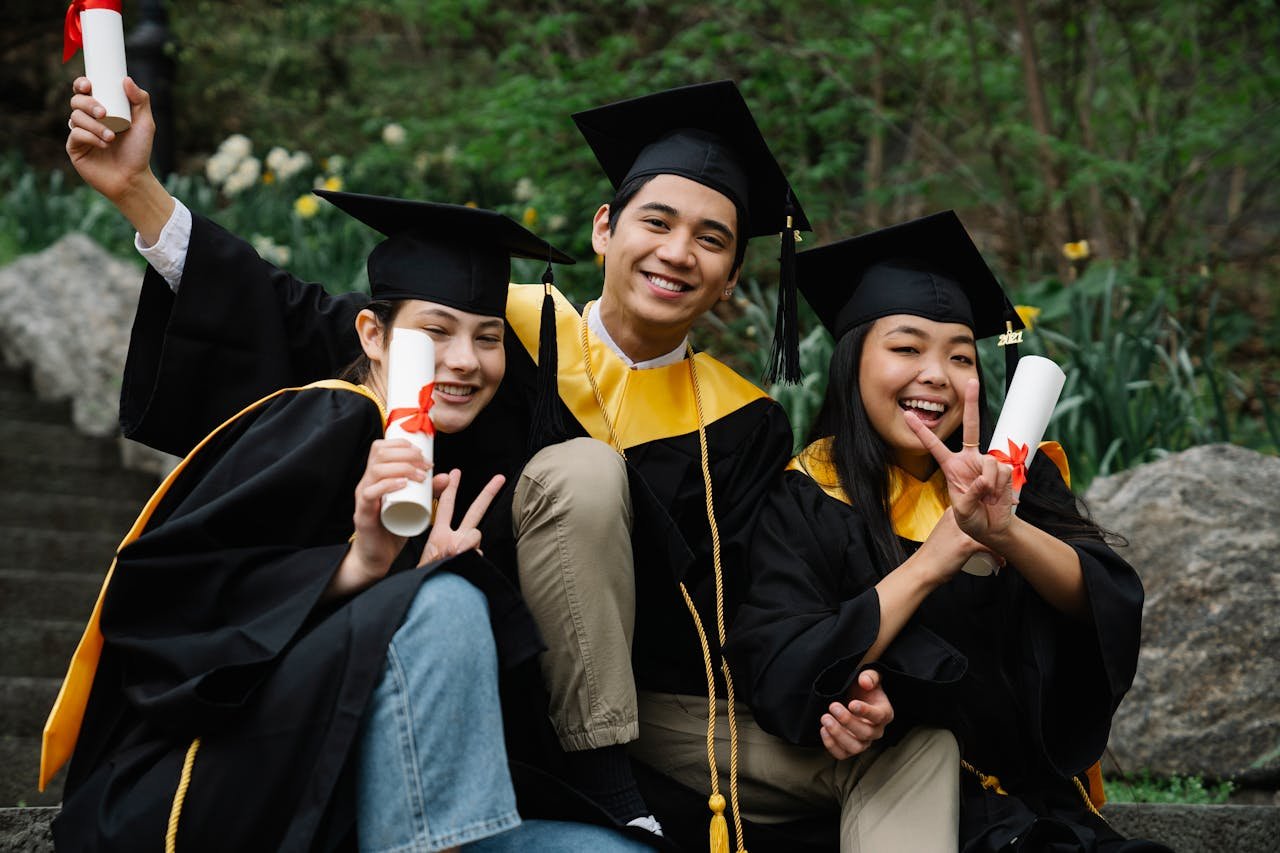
{"type": "Point", "coordinates": [706, 133]}
{"type": "Point", "coordinates": [928, 267]}
{"type": "Point", "coordinates": [447, 253]}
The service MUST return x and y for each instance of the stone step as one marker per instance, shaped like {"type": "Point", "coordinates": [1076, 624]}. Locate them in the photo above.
{"type": "Point", "coordinates": [18, 785]}
{"type": "Point", "coordinates": [12, 379]}
{"type": "Point", "coordinates": [65, 551]}
{"type": "Point", "coordinates": [22, 405]}
{"type": "Point", "coordinates": [1186, 829]}
{"type": "Point", "coordinates": [38, 648]}
{"type": "Point", "coordinates": [45, 476]}
{"type": "Point", "coordinates": [68, 512]}
{"type": "Point", "coordinates": [62, 443]}
{"type": "Point", "coordinates": [25, 704]}
{"type": "Point", "coordinates": [38, 594]}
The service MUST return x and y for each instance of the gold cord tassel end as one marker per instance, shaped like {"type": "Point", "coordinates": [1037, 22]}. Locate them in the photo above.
{"type": "Point", "coordinates": [719, 827]}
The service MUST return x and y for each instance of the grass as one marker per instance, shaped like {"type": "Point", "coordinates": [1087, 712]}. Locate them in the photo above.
{"type": "Point", "coordinates": [1184, 790]}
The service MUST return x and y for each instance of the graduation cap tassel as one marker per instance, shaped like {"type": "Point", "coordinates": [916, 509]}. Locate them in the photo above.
{"type": "Point", "coordinates": [784, 358]}
{"type": "Point", "coordinates": [1009, 343]}
{"type": "Point", "coordinates": [548, 423]}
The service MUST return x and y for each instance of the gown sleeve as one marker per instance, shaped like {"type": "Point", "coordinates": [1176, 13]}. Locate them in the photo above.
{"type": "Point", "coordinates": [238, 556]}
{"type": "Point", "coordinates": [1075, 673]}
{"type": "Point", "coordinates": [237, 329]}
{"type": "Point", "coordinates": [812, 613]}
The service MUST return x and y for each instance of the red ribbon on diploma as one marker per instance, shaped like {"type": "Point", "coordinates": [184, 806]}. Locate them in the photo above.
{"type": "Point", "coordinates": [418, 421]}
{"type": "Point", "coordinates": [1017, 457]}
{"type": "Point", "coordinates": [72, 35]}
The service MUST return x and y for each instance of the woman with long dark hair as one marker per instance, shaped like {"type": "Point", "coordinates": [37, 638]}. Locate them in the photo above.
{"type": "Point", "coordinates": [857, 560]}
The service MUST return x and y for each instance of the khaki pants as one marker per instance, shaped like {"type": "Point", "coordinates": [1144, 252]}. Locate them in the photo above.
{"type": "Point", "coordinates": [906, 797]}
{"type": "Point", "coordinates": [572, 521]}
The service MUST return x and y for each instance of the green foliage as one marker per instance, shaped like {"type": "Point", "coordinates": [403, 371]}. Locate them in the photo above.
{"type": "Point", "coordinates": [1162, 149]}
{"type": "Point", "coordinates": [1187, 790]}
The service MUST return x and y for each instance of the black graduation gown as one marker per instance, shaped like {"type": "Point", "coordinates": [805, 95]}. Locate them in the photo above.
{"type": "Point", "coordinates": [1028, 692]}
{"type": "Point", "coordinates": [214, 627]}
{"type": "Point", "coordinates": [238, 327]}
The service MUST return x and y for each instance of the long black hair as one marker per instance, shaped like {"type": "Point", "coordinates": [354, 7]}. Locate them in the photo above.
{"type": "Point", "coordinates": [862, 459]}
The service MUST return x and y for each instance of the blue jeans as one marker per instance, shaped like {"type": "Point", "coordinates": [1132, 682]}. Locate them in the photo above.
{"type": "Point", "coordinates": [431, 772]}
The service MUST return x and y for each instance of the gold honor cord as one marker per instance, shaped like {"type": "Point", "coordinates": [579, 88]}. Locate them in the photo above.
{"type": "Point", "coordinates": [719, 834]}
{"type": "Point", "coordinates": [180, 797]}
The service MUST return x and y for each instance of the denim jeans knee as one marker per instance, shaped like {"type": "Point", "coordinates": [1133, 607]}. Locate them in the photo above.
{"type": "Point", "coordinates": [432, 767]}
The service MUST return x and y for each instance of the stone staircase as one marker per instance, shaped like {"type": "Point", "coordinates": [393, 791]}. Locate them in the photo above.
{"type": "Point", "coordinates": [65, 503]}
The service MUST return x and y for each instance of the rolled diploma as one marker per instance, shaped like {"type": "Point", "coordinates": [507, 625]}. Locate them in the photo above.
{"type": "Point", "coordinates": [1037, 384]}
{"type": "Point", "coordinates": [411, 364]}
{"type": "Point", "coordinates": [104, 64]}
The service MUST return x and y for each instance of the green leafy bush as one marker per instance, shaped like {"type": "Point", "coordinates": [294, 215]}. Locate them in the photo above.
{"type": "Point", "coordinates": [1189, 790]}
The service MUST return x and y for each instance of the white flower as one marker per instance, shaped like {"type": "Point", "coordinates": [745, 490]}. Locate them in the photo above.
{"type": "Point", "coordinates": [293, 164]}
{"type": "Point", "coordinates": [555, 223]}
{"type": "Point", "coordinates": [269, 250]}
{"type": "Point", "coordinates": [422, 162]}
{"type": "Point", "coordinates": [237, 145]}
{"type": "Point", "coordinates": [449, 154]}
{"type": "Point", "coordinates": [219, 167]}
{"type": "Point", "coordinates": [246, 175]}
{"type": "Point", "coordinates": [524, 190]}
{"type": "Point", "coordinates": [335, 164]}
{"type": "Point", "coordinates": [276, 159]}
{"type": "Point", "coordinates": [393, 134]}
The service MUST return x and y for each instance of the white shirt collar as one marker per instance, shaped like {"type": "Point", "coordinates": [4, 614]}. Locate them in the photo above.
{"type": "Point", "coordinates": [596, 325]}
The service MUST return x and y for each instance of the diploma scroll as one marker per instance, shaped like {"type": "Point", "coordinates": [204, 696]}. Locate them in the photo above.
{"type": "Point", "coordinates": [411, 367]}
{"type": "Point", "coordinates": [104, 64]}
{"type": "Point", "coordinates": [1037, 384]}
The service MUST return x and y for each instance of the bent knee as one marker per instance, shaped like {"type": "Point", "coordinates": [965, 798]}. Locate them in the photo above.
{"type": "Point", "coordinates": [448, 612]}
{"type": "Point", "coordinates": [936, 746]}
{"type": "Point", "coordinates": [582, 477]}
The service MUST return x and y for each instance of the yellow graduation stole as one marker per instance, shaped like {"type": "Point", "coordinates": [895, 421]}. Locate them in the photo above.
{"type": "Point", "coordinates": [67, 715]}
{"type": "Point", "coordinates": [643, 405]}
{"type": "Point", "coordinates": [915, 506]}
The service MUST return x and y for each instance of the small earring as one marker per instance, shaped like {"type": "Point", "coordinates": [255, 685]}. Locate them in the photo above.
{"type": "Point", "coordinates": [728, 291]}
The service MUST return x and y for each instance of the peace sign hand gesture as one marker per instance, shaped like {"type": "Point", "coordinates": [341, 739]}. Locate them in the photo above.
{"type": "Point", "coordinates": [979, 486]}
{"type": "Point", "coordinates": [445, 540]}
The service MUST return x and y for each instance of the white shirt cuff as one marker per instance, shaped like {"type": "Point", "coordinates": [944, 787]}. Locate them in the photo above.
{"type": "Point", "coordinates": [169, 254]}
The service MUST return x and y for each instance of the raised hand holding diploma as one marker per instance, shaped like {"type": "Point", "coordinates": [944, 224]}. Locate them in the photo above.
{"type": "Point", "coordinates": [411, 364]}
{"type": "Point", "coordinates": [98, 27]}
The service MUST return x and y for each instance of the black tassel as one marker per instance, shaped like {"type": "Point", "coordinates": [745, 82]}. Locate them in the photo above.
{"type": "Point", "coordinates": [784, 357]}
{"type": "Point", "coordinates": [547, 426]}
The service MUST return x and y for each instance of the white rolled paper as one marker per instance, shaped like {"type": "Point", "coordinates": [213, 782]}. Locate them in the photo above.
{"type": "Point", "coordinates": [104, 64]}
{"type": "Point", "coordinates": [1037, 384]}
{"type": "Point", "coordinates": [411, 364]}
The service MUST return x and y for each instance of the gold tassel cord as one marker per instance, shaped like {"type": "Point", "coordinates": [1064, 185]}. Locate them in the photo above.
{"type": "Point", "coordinates": [180, 797]}
{"type": "Point", "coordinates": [1088, 801]}
{"type": "Point", "coordinates": [704, 458]}
{"type": "Point", "coordinates": [719, 830]}
{"type": "Point", "coordinates": [595, 389]}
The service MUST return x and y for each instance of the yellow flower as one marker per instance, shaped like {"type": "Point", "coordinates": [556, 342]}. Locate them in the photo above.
{"type": "Point", "coordinates": [1029, 315]}
{"type": "Point", "coordinates": [333, 183]}
{"type": "Point", "coordinates": [306, 206]}
{"type": "Point", "coordinates": [471, 204]}
{"type": "Point", "coordinates": [268, 177]}
{"type": "Point", "coordinates": [530, 217]}
{"type": "Point", "coordinates": [599, 260]}
{"type": "Point", "coordinates": [1077, 251]}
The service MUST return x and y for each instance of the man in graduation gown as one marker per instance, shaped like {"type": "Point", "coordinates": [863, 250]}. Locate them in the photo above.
{"type": "Point", "coordinates": [216, 325]}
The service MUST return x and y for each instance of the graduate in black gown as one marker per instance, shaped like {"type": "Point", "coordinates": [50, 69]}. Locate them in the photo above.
{"type": "Point", "coordinates": [856, 559]}
{"type": "Point", "coordinates": [226, 693]}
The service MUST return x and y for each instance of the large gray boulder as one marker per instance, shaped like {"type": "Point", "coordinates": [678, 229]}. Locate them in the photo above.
{"type": "Point", "coordinates": [1204, 533]}
{"type": "Point", "coordinates": [66, 312]}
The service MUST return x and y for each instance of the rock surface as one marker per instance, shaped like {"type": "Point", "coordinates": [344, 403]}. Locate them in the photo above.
{"type": "Point", "coordinates": [1204, 533]}
{"type": "Point", "coordinates": [66, 313]}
